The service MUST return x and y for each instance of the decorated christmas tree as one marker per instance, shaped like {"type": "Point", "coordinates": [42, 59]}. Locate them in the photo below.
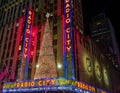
{"type": "Point", "coordinates": [46, 61]}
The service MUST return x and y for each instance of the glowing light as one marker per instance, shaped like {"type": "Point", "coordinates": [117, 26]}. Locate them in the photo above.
{"type": "Point", "coordinates": [46, 58]}
{"type": "Point", "coordinates": [37, 66]}
{"type": "Point", "coordinates": [98, 72]}
{"type": "Point", "coordinates": [20, 47]}
{"type": "Point", "coordinates": [88, 63]}
{"type": "Point", "coordinates": [59, 65]}
{"type": "Point", "coordinates": [106, 78]}
{"type": "Point", "coordinates": [26, 54]}
{"type": "Point", "coordinates": [28, 30]}
{"type": "Point", "coordinates": [33, 34]}
{"type": "Point", "coordinates": [39, 83]}
{"type": "Point", "coordinates": [32, 52]}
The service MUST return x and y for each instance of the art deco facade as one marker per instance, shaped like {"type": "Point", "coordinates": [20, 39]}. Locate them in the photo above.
{"type": "Point", "coordinates": [42, 44]}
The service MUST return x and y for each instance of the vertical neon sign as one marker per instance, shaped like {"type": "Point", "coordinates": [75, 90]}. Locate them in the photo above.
{"type": "Point", "coordinates": [68, 50]}
{"type": "Point", "coordinates": [26, 45]}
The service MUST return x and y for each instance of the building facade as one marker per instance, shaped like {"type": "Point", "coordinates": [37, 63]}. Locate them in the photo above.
{"type": "Point", "coordinates": [103, 33]}
{"type": "Point", "coordinates": [43, 49]}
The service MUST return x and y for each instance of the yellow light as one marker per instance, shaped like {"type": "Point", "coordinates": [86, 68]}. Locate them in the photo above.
{"type": "Point", "coordinates": [20, 47]}
{"type": "Point", "coordinates": [87, 62]}
{"type": "Point", "coordinates": [16, 3]}
{"type": "Point", "coordinates": [21, 0]}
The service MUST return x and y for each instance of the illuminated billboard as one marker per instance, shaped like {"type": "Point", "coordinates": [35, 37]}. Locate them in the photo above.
{"type": "Point", "coordinates": [68, 50]}
{"type": "Point", "coordinates": [27, 43]}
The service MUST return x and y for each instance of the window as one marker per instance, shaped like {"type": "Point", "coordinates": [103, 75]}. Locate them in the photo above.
{"type": "Point", "coordinates": [55, 20]}
{"type": "Point", "coordinates": [54, 42]}
{"type": "Point", "coordinates": [54, 32]}
{"type": "Point", "coordinates": [55, 53]}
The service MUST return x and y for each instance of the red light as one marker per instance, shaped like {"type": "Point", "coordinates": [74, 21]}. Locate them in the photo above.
{"type": "Point", "coordinates": [33, 42]}
{"type": "Point", "coordinates": [33, 34]}
{"type": "Point", "coordinates": [32, 52]}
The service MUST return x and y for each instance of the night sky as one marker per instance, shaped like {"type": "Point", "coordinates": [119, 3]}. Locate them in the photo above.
{"type": "Point", "coordinates": [110, 7]}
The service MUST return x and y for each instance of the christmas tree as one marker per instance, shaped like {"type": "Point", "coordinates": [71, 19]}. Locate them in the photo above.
{"type": "Point", "coordinates": [46, 60]}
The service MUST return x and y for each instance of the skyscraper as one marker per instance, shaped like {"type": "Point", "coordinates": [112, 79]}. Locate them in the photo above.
{"type": "Point", "coordinates": [103, 34]}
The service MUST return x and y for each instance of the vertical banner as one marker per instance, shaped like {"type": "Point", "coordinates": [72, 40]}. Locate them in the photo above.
{"type": "Point", "coordinates": [17, 49]}
{"type": "Point", "coordinates": [68, 48]}
{"type": "Point", "coordinates": [27, 43]}
{"type": "Point", "coordinates": [33, 48]}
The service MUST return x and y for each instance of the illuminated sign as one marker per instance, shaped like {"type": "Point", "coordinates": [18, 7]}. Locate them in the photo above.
{"type": "Point", "coordinates": [68, 51]}
{"type": "Point", "coordinates": [68, 29]}
{"type": "Point", "coordinates": [28, 32]}
{"type": "Point", "coordinates": [98, 71]}
{"type": "Point", "coordinates": [26, 54]}
{"type": "Point", "coordinates": [89, 64]}
{"type": "Point", "coordinates": [106, 78]}
{"type": "Point", "coordinates": [53, 84]}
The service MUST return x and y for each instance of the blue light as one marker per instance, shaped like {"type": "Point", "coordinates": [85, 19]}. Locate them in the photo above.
{"type": "Point", "coordinates": [73, 58]}
{"type": "Point", "coordinates": [24, 41]}
{"type": "Point", "coordinates": [28, 51]}
{"type": "Point", "coordinates": [67, 73]}
{"type": "Point", "coordinates": [64, 54]}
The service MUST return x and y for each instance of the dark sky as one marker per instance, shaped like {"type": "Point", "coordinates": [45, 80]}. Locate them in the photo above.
{"type": "Point", "coordinates": [110, 7]}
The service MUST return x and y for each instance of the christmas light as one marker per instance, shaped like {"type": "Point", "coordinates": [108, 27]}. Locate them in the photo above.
{"type": "Point", "coordinates": [46, 58]}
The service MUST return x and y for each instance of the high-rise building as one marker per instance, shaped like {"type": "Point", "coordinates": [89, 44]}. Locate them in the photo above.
{"type": "Point", "coordinates": [43, 49]}
{"type": "Point", "coordinates": [103, 34]}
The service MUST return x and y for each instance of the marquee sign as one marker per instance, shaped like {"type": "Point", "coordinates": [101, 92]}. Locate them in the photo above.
{"type": "Point", "coordinates": [56, 84]}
